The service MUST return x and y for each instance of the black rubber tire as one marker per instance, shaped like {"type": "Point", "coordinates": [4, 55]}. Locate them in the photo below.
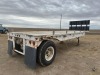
{"type": "Point", "coordinates": [41, 53]}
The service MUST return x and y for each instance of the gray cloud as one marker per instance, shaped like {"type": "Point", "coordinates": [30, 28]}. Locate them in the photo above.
{"type": "Point", "coordinates": [48, 10]}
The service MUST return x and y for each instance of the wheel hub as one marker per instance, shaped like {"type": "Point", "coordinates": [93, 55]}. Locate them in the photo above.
{"type": "Point", "coordinates": [49, 53]}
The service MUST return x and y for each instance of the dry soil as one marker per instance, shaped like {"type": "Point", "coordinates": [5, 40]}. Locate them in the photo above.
{"type": "Point", "coordinates": [70, 59]}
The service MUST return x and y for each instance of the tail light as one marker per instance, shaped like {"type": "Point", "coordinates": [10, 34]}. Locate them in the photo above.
{"type": "Point", "coordinates": [10, 37]}
{"type": "Point", "coordinates": [32, 42]}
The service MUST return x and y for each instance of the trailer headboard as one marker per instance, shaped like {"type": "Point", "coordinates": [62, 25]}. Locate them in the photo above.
{"type": "Point", "coordinates": [80, 25]}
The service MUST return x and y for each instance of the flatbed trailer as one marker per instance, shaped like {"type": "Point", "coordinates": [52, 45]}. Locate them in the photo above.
{"type": "Point", "coordinates": [38, 46]}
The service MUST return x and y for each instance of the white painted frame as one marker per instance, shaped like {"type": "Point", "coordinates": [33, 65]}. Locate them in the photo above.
{"type": "Point", "coordinates": [48, 35]}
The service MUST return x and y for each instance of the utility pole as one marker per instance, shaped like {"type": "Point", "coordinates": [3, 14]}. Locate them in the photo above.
{"type": "Point", "coordinates": [60, 21]}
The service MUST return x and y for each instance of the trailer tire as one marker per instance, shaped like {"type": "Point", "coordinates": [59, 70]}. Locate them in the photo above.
{"type": "Point", "coordinates": [46, 53]}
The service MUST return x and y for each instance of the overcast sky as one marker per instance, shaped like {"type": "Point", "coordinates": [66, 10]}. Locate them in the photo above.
{"type": "Point", "coordinates": [46, 13]}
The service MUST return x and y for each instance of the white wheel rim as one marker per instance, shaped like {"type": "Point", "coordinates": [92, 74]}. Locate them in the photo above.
{"type": "Point", "coordinates": [49, 53]}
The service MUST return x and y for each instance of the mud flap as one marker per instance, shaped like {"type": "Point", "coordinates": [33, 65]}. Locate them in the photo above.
{"type": "Point", "coordinates": [30, 57]}
{"type": "Point", "coordinates": [10, 47]}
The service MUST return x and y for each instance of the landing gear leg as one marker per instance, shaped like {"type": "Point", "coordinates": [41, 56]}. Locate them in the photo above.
{"type": "Point", "coordinates": [78, 41]}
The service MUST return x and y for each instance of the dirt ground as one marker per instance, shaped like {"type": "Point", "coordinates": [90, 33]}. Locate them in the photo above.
{"type": "Point", "coordinates": [70, 59]}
